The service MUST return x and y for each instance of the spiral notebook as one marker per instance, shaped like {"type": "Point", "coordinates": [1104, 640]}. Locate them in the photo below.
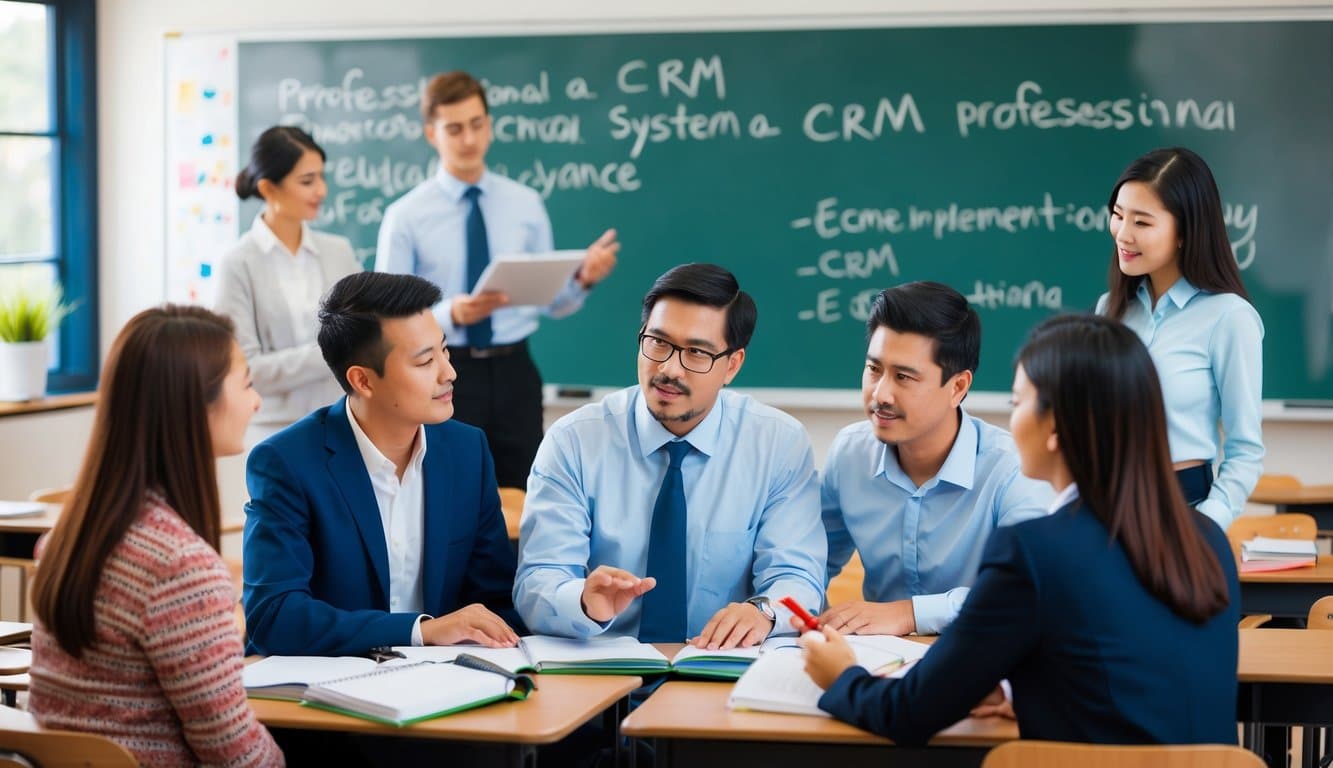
{"type": "Point", "coordinates": [409, 693]}
{"type": "Point", "coordinates": [777, 681]}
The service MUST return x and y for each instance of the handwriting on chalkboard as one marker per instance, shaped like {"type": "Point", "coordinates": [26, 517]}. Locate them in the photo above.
{"type": "Point", "coordinates": [649, 104]}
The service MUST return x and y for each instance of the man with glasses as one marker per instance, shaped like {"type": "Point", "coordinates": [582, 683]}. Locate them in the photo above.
{"type": "Point", "coordinates": [674, 510]}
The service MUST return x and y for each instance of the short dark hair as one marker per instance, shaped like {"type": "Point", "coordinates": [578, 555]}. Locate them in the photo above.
{"type": "Point", "coordinates": [350, 332]}
{"type": "Point", "coordinates": [275, 153]}
{"type": "Point", "coordinates": [450, 88]}
{"type": "Point", "coordinates": [936, 311]}
{"type": "Point", "coordinates": [711, 286]}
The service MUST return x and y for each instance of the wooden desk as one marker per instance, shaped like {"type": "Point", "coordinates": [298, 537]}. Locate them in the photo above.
{"type": "Point", "coordinates": [1286, 678]}
{"type": "Point", "coordinates": [560, 704]}
{"type": "Point", "coordinates": [19, 534]}
{"type": "Point", "coordinates": [1287, 594]}
{"type": "Point", "coordinates": [1313, 500]}
{"type": "Point", "coordinates": [692, 726]}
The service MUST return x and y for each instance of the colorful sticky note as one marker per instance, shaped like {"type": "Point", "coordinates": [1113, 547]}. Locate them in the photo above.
{"type": "Point", "coordinates": [205, 270]}
{"type": "Point", "coordinates": [185, 96]}
{"type": "Point", "coordinates": [206, 139]}
{"type": "Point", "coordinates": [187, 176]}
{"type": "Point", "coordinates": [210, 93]}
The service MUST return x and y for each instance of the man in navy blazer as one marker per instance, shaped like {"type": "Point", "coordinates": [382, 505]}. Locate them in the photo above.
{"type": "Point", "coordinates": [375, 521]}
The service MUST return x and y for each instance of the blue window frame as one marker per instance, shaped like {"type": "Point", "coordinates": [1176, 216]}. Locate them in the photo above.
{"type": "Point", "coordinates": [48, 151]}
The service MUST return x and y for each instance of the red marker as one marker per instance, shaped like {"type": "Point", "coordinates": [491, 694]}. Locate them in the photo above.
{"type": "Point", "coordinates": [811, 623]}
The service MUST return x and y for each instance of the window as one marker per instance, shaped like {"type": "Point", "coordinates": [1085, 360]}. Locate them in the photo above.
{"type": "Point", "coordinates": [48, 160]}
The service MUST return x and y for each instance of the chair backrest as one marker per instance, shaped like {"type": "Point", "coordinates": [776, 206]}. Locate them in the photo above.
{"type": "Point", "coordinates": [511, 503]}
{"type": "Point", "coordinates": [1275, 483]}
{"type": "Point", "coordinates": [1050, 754]}
{"type": "Point", "coordinates": [63, 749]}
{"type": "Point", "coordinates": [1291, 525]}
{"type": "Point", "coordinates": [847, 584]}
{"type": "Point", "coordinates": [50, 495]}
{"type": "Point", "coordinates": [1321, 615]}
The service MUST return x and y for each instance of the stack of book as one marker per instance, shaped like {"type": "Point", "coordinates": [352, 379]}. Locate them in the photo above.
{"type": "Point", "coordinates": [1267, 554]}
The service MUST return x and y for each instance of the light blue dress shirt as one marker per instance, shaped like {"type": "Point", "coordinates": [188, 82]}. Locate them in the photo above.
{"type": "Point", "coordinates": [1208, 350]}
{"type": "Point", "coordinates": [752, 500]}
{"type": "Point", "coordinates": [923, 543]}
{"type": "Point", "coordinates": [424, 233]}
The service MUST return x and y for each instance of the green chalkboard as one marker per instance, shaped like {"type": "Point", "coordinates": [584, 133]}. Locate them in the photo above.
{"type": "Point", "coordinates": [824, 165]}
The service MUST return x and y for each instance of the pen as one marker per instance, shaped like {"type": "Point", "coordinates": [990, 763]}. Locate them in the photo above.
{"type": "Point", "coordinates": [811, 623]}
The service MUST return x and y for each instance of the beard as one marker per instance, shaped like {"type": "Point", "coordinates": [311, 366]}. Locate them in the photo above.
{"type": "Point", "coordinates": [661, 380]}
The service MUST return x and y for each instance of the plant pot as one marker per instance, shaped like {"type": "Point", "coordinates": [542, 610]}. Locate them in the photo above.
{"type": "Point", "coordinates": [23, 370]}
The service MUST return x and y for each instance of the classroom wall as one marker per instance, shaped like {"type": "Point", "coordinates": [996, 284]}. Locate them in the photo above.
{"type": "Point", "coordinates": [44, 450]}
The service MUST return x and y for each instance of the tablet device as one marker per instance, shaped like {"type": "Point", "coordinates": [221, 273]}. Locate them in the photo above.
{"type": "Point", "coordinates": [530, 279]}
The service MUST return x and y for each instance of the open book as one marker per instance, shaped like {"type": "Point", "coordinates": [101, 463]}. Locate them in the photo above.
{"type": "Point", "coordinates": [618, 655]}
{"type": "Point", "coordinates": [777, 682]}
{"type": "Point", "coordinates": [398, 691]}
{"type": "Point", "coordinates": [288, 677]}
{"type": "Point", "coordinates": [1268, 554]}
{"type": "Point", "coordinates": [402, 694]}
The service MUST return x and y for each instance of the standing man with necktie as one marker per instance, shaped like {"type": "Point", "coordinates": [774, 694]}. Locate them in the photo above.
{"type": "Point", "coordinates": [676, 509]}
{"type": "Point", "coordinates": [446, 230]}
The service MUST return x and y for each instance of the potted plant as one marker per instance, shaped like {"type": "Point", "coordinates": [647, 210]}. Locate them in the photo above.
{"type": "Point", "coordinates": [31, 307]}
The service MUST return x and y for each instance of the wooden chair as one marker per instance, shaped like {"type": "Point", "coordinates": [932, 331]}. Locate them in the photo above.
{"type": "Point", "coordinates": [50, 495]}
{"type": "Point", "coordinates": [1321, 614]}
{"type": "Point", "coordinates": [847, 584]}
{"type": "Point", "coordinates": [1053, 754]}
{"type": "Point", "coordinates": [511, 503]}
{"type": "Point", "coordinates": [28, 745]}
{"type": "Point", "coordinates": [24, 565]}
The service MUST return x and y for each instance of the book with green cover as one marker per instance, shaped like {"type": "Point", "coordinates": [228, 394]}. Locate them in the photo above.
{"type": "Point", "coordinates": [403, 694]}
{"type": "Point", "coordinates": [614, 655]}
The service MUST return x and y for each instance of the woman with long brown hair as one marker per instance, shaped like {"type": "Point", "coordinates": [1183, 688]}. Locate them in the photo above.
{"type": "Point", "coordinates": [1114, 617]}
{"type": "Point", "coordinates": [135, 637]}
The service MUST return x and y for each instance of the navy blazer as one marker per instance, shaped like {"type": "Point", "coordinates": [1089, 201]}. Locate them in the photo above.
{"type": "Point", "coordinates": [1092, 656]}
{"type": "Point", "coordinates": [316, 562]}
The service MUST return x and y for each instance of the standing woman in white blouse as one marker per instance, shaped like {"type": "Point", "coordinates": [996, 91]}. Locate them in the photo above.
{"type": "Point", "coordinates": [1175, 282]}
{"type": "Point", "coordinates": [270, 283]}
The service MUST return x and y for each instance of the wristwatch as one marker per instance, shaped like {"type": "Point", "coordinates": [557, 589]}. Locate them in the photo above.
{"type": "Point", "coordinates": [765, 607]}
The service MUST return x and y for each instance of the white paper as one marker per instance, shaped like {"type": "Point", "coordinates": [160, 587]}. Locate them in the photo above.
{"type": "Point", "coordinates": [530, 279]}
{"type": "Point", "coordinates": [21, 508]}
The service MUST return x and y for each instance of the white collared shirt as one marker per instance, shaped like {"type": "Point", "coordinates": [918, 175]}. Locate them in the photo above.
{"type": "Point", "coordinates": [300, 274]}
{"type": "Point", "coordinates": [1062, 498]}
{"type": "Point", "coordinates": [402, 513]}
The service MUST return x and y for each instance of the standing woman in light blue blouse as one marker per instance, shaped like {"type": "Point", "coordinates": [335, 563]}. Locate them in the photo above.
{"type": "Point", "coordinates": [1175, 282]}
{"type": "Point", "coordinates": [270, 282]}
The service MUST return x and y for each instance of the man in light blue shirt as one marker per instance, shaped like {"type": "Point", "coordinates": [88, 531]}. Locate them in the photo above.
{"type": "Point", "coordinates": [749, 531]}
{"type": "Point", "coordinates": [918, 487]}
{"type": "Point", "coordinates": [446, 230]}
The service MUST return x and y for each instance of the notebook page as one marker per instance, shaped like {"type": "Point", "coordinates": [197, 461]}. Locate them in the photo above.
{"type": "Point", "coordinates": [302, 670]}
{"type": "Point", "coordinates": [542, 649]}
{"type": "Point", "coordinates": [777, 682]}
{"type": "Point", "coordinates": [404, 693]}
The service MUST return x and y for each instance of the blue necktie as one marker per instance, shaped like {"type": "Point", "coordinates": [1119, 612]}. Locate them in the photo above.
{"type": "Point", "coordinates": [664, 607]}
{"type": "Point", "coordinates": [478, 256]}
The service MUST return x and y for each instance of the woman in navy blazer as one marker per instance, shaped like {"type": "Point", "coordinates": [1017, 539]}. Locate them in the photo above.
{"type": "Point", "coordinates": [1113, 618]}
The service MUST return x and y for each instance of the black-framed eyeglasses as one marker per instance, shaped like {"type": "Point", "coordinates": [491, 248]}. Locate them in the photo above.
{"type": "Point", "coordinates": [691, 358]}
